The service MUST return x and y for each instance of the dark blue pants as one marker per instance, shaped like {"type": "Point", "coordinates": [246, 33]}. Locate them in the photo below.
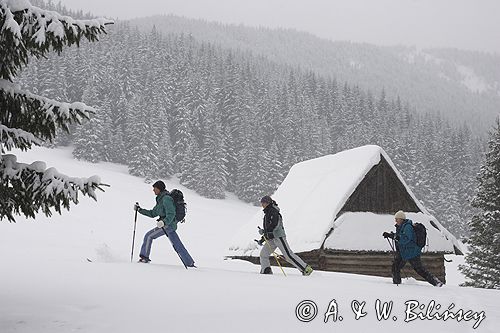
{"type": "Point", "coordinates": [417, 265]}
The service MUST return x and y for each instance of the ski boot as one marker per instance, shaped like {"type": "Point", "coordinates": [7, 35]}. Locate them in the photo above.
{"type": "Point", "coordinates": [267, 270]}
{"type": "Point", "coordinates": [307, 271]}
{"type": "Point", "coordinates": [144, 260]}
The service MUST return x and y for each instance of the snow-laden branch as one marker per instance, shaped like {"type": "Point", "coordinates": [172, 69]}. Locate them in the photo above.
{"type": "Point", "coordinates": [37, 114]}
{"type": "Point", "coordinates": [52, 107]}
{"type": "Point", "coordinates": [35, 31]}
{"type": "Point", "coordinates": [27, 119]}
{"type": "Point", "coordinates": [16, 138]}
{"type": "Point", "coordinates": [28, 188]}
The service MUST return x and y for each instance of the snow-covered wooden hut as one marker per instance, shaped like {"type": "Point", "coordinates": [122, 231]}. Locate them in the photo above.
{"type": "Point", "coordinates": [335, 209]}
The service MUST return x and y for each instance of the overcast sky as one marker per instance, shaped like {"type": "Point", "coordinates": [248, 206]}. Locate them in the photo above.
{"type": "Point", "coordinates": [464, 24]}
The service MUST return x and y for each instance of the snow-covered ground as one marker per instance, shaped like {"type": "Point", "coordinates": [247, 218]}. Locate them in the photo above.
{"type": "Point", "coordinates": [47, 284]}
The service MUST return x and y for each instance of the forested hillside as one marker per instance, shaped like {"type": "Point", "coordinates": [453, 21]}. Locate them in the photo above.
{"type": "Point", "coordinates": [225, 120]}
{"type": "Point", "coordinates": [461, 85]}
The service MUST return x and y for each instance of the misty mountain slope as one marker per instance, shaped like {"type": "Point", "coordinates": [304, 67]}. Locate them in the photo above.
{"type": "Point", "coordinates": [486, 66]}
{"type": "Point", "coordinates": [461, 85]}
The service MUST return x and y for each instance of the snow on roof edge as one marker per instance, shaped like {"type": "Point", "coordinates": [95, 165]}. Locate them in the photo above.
{"type": "Point", "coordinates": [374, 159]}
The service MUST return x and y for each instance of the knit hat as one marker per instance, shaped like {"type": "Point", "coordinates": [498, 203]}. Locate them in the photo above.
{"type": "Point", "coordinates": [400, 215]}
{"type": "Point", "coordinates": [266, 199]}
{"type": "Point", "coordinates": [160, 185]}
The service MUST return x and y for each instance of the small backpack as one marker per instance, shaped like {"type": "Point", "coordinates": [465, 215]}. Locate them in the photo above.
{"type": "Point", "coordinates": [420, 234]}
{"type": "Point", "coordinates": [180, 205]}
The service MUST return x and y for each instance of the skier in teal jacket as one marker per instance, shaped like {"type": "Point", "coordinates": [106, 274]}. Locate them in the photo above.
{"type": "Point", "coordinates": [407, 240]}
{"type": "Point", "coordinates": [164, 208]}
{"type": "Point", "coordinates": [408, 250]}
{"type": "Point", "coordinates": [166, 225]}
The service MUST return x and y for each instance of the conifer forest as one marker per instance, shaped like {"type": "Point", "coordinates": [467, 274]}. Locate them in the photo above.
{"type": "Point", "coordinates": [226, 120]}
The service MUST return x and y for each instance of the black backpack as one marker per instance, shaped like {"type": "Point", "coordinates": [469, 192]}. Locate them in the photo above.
{"type": "Point", "coordinates": [180, 205]}
{"type": "Point", "coordinates": [420, 234]}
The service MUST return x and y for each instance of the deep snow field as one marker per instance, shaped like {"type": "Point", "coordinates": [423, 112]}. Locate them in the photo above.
{"type": "Point", "coordinates": [48, 285]}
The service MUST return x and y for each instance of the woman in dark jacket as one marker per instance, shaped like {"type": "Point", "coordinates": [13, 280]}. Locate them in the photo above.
{"type": "Point", "coordinates": [273, 236]}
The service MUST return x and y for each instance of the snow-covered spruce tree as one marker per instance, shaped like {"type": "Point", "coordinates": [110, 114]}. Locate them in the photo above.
{"type": "Point", "coordinates": [88, 142]}
{"type": "Point", "coordinates": [143, 158]}
{"type": "Point", "coordinates": [212, 172]}
{"type": "Point", "coordinates": [482, 267]}
{"type": "Point", "coordinates": [27, 119]}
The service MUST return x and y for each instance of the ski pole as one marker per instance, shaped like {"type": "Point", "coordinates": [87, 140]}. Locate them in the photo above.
{"type": "Point", "coordinates": [163, 228]}
{"type": "Point", "coordinates": [281, 257]}
{"type": "Point", "coordinates": [133, 237]}
{"type": "Point", "coordinates": [393, 254]}
{"type": "Point", "coordinates": [274, 254]}
{"type": "Point", "coordinates": [393, 247]}
{"type": "Point", "coordinates": [402, 271]}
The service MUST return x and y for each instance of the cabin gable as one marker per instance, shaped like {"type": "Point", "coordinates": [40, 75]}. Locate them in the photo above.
{"type": "Point", "coordinates": [380, 192]}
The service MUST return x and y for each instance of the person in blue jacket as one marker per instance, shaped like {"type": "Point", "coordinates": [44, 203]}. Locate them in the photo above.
{"type": "Point", "coordinates": [408, 250]}
{"type": "Point", "coordinates": [166, 225]}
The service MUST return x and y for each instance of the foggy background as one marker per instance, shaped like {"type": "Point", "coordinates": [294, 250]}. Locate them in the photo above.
{"type": "Point", "coordinates": [464, 24]}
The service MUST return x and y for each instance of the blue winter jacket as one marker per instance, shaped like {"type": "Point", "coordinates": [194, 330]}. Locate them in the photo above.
{"type": "Point", "coordinates": [407, 240]}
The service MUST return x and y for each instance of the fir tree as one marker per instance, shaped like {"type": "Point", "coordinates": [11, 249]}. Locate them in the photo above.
{"type": "Point", "coordinates": [185, 147]}
{"type": "Point", "coordinates": [482, 266]}
{"type": "Point", "coordinates": [27, 119]}
{"type": "Point", "coordinates": [89, 145]}
{"type": "Point", "coordinates": [212, 167]}
{"type": "Point", "coordinates": [160, 125]}
{"type": "Point", "coordinates": [143, 139]}
{"type": "Point", "coordinates": [225, 97]}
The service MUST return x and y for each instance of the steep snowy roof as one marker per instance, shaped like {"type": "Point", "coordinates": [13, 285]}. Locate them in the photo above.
{"type": "Point", "coordinates": [363, 231]}
{"type": "Point", "coordinates": [312, 195]}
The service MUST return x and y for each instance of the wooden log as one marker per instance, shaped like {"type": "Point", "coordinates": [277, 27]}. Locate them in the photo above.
{"type": "Point", "coordinates": [373, 264]}
{"type": "Point", "coordinates": [362, 262]}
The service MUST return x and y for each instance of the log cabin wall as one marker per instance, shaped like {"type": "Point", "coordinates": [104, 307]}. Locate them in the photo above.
{"type": "Point", "coordinates": [362, 262]}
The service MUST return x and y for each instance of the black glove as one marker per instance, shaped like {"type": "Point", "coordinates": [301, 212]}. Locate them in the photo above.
{"type": "Point", "coordinates": [388, 235]}
{"type": "Point", "coordinates": [260, 241]}
{"type": "Point", "coordinates": [136, 206]}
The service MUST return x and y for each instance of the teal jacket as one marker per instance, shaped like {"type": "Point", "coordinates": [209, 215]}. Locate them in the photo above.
{"type": "Point", "coordinates": [164, 208]}
{"type": "Point", "coordinates": [407, 240]}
